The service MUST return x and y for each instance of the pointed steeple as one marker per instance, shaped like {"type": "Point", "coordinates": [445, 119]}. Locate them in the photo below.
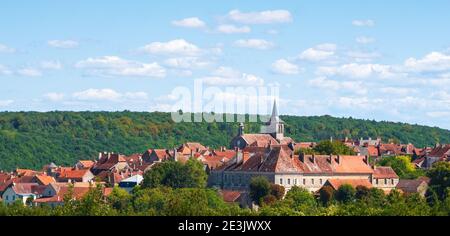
{"type": "Point", "coordinates": [274, 109]}
{"type": "Point", "coordinates": [274, 117]}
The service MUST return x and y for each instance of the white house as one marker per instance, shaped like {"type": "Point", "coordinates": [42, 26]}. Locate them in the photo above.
{"type": "Point", "coordinates": [25, 192]}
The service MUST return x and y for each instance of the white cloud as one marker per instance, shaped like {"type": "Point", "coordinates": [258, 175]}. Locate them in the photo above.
{"type": "Point", "coordinates": [108, 95]}
{"type": "Point", "coordinates": [192, 22]}
{"type": "Point", "coordinates": [177, 46]}
{"type": "Point", "coordinates": [6, 49]}
{"type": "Point", "coordinates": [116, 66]}
{"type": "Point", "coordinates": [226, 76]}
{"type": "Point", "coordinates": [63, 43]}
{"type": "Point", "coordinates": [282, 66]}
{"type": "Point", "coordinates": [51, 65]}
{"type": "Point", "coordinates": [259, 44]}
{"type": "Point", "coordinates": [365, 40]}
{"type": "Point", "coordinates": [55, 97]}
{"type": "Point", "coordinates": [350, 86]}
{"type": "Point", "coordinates": [29, 72]}
{"type": "Point", "coordinates": [398, 91]}
{"type": "Point", "coordinates": [224, 71]}
{"type": "Point", "coordinates": [363, 23]}
{"type": "Point", "coordinates": [5, 103]}
{"type": "Point", "coordinates": [363, 56]}
{"type": "Point", "coordinates": [186, 62]}
{"type": "Point", "coordinates": [354, 70]}
{"type": "Point", "coordinates": [4, 70]}
{"type": "Point", "coordinates": [434, 61]}
{"type": "Point", "coordinates": [262, 17]}
{"type": "Point", "coordinates": [438, 114]}
{"type": "Point", "coordinates": [97, 94]}
{"type": "Point", "coordinates": [232, 29]}
{"type": "Point", "coordinates": [272, 31]}
{"type": "Point", "coordinates": [319, 53]}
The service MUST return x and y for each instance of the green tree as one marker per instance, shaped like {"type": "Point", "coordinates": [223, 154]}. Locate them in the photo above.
{"type": "Point", "coordinates": [300, 197]}
{"type": "Point", "coordinates": [326, 194]}
{"type": "Point", "coordinates": [176, 175]}
{"type": "Point", "coordinates": [402, 165]}
{"type": "Point", "coordinates": [328, 147]}
{"type": "Point", "coordinates": [259, 188]}
{"type": "Point", "coordinates": [440, 178]}
{"type": "Point", "coordinates": [345, 193]}
{"type": "Point", "coordinates": [120, 200]}
{"type": "Point", "coordinates": [277, 191]}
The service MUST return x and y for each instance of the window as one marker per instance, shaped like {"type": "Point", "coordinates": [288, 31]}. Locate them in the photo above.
{"type": "Point", "coordinates": [14, 198]}
{"type": "Point", "coordinates": [312, 181]}
{"type": "Point", "coordinates": [295, 181]}
{"type": "Point", "coordinates": [289, 181]}
{"type": "Point", "coordinates": [7, 197]}
{"type": "Point", "coordinates": [281, 180]}
{"type": "Point", "coordinates": [385, 181]}
{"type": "Point", "coordinates": [376, 181]}
{"type": "Point", "coordinates": [304, 181]}
{"type": "Point", "coordinates": [392, 181]}
{"type": "Point", "coordinates": [321, 181]}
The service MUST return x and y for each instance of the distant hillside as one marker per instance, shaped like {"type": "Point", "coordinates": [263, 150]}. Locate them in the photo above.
{"type": "Point", "coordinates": [31, 139]}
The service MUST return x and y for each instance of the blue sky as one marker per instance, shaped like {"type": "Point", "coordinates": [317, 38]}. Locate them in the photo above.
{"type": "Point", "coordinates": [382, 60]}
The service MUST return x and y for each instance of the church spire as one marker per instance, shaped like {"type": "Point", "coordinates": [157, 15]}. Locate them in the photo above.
{"type": "Point", "coordinates": [274, 109]}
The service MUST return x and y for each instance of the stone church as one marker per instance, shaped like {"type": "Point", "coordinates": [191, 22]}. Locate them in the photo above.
{"type": "Point", "coordinates": [272, 133]}
{"type": "Point", "coordinates": [270, 154]}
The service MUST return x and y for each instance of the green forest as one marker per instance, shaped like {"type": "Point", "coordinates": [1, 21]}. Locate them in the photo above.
{"type": "Point", "coordinates": [33, 139]}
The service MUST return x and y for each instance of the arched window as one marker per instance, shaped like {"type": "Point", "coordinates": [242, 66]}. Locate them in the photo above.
{"type": "Point", "coordinates": [281, 180]}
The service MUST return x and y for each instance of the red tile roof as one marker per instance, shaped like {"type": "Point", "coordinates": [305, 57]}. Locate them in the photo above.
{"type": "Point", "coordinates": [384, 172]}
{"type": "Point", "coordinates": [74, 174]}
{"type": "Point", "coordinates": [282, 159]}
{"type": "Point", "coordinates": [45, 179]}
{"type": "Point", "coordinates": [441, 151]}
{"type": "Point", "coordinates": [259, 140]}
{"type": "Point", "coordinates": [336, 183]}
{"type": "Point", "coordinates": [87, 163]}
{"type": "Point", "coordinates": [230, 196]}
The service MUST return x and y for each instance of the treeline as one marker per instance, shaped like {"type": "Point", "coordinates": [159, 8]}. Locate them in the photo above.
{"type": "Point", "coordinates": [32, 139]}
{"type": "Point", "coordinates": [160, 195]}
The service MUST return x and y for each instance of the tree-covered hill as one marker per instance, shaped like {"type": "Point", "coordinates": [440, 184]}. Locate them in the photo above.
{"type": "Point", "coordinates": [32, 139]}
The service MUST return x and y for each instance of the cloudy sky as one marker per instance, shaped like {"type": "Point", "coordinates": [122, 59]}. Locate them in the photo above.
{"type": "Point", "coordinates": [382, 60]}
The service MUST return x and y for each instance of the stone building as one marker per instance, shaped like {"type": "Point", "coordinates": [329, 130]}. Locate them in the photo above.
{"type": "Point", "coordinates": [272, 133]}
{"type": "Point", "coordinates": [271, 154]}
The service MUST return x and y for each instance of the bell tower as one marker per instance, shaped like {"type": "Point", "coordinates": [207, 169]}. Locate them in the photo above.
{"type": "Point", "coordinates": [275, 126]}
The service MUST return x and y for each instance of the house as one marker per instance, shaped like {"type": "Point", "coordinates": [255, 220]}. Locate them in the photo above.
{"type": "Point", "coordinates": [156, 155]}
{"type": "Point", "coordinates": [129, 183]}
{"type": "Point", "coordinates": [25, 192]}
{"type": "Point", "coordinates": [272, 133]}
{"type": "Point", "coordinates": [84, 164]}
{"type": "Point", "coordinates": [438, 153]}
{"type": "Point", "coordinates": [188, 149]}
{"type": "Point", "coordinates": [279, 164]}
{"type": "Point", "coordinates": [55, 193]}
{"type": "Point", "coordinates": [83, 175]}
{"type": "Point", "coordinates": [385, 178]}
{"type": "Point", "coordinates": [410, 186]}
{"type": "Point", "coordinates": [109, 162]}
{"type": "Point", "coordinates": [44, 179]}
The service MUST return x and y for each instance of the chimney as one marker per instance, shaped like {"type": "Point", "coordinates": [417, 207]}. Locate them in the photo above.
{"type": "Point", "coordinates": [302, 157]}
{"type": "Point", "coordinates": [175, 154]}
{"type": "Point", "coordinates": [366, 160]}
{"type": "Point", "coordinates": [241, 129]}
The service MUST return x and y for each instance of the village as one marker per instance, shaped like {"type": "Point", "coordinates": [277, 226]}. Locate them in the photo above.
{"type": "Point", "coordinates": [268, 153]}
